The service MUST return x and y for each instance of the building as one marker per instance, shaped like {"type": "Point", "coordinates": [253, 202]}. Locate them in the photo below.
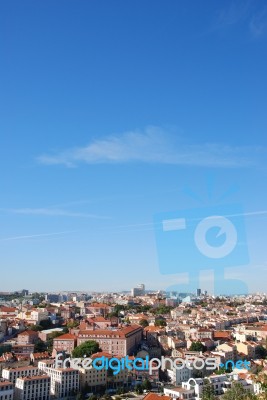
{"type": "Point", "coordinates": [44, 335]}
{"type": "Point", "coordinates": [8, 312]}
{"type": "Point", "coordinates": [23, 349]}
{"type": "Point", "coordinates": [34, 316]}
{"type": "Point", "coordinates": [219, 383]}
{"type": "Point", "coordinates": [180, 393]}
{"type": "Point", "coordinates": [34, 387]}
{"type": "Point", "coordinates": [93, 378]}
{"type": "Point", "coordinates": [11, 374]}
{"type": "Point", "coordinates": [198, 293]}
{"type": "Point", "coordinates": [182, 374]}
{"type": "Point", "coordinates": [27, 337]}
{"type": "Point", "coordinates": [65, 343]}
{"type": "Point", "coordinates": [6, 390]}
{"type": "Point", "coordinates": [64, 381]}
{"type": "Point", "coordinates": [248, 348]}
{"type": "Point", "coordinates": [52, 298]}
{"type": "Point", "coordinates": [119, 342]}
{"type": "Point", "coordinates": [96, 309]}
{"type": "Point", "coordinates": [138, 291]}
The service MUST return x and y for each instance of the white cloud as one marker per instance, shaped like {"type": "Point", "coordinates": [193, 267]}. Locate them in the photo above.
{"type": "Point", "coordinates": [155, 145]}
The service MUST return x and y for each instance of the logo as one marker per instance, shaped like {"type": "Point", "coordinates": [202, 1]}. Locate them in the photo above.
{"type": "Point", "coordinates": [211, 238]}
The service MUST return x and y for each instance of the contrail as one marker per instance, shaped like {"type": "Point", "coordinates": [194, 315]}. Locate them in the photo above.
{"type": "Point", "coordinates": [34, 236]}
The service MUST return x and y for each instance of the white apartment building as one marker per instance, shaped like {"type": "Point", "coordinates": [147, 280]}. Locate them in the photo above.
{"type": "Point", "coordinates": [11, 374]}
{"type": "Point", "coordinates": [34, 316]}
{"type": "Point", "coordinates": [180, 375]}
{"type": "Point", "coordinates": [180, 393]}
{"type": "Point", "coordinates": [6, 390]}
{"type": "Point", "coordinates": [220, 384]}
{"type": "Point", "coordinates": [64, 381]}
{"type": "Point", "coordinates": [35, 387]}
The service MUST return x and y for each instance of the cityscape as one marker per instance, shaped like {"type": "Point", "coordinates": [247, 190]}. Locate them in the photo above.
{"type": "Point", "coordinates": [133, 217]}
{"type": "Point", "coordinates": [41, 332]}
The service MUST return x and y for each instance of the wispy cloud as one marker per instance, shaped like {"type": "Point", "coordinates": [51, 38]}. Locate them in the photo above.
{"type": "Point", "coordinates": [252, 15]}
{"type": "Point", "coordinates": [156, 145]}
{"type": "Point", "coordinates": [258, 23]}
{"type": "Point", "coordinates": [54, 212]}
{"type": "Point", "coordinates": [35, 236]}
{"type": "Point", "coordinates": [233, 14]}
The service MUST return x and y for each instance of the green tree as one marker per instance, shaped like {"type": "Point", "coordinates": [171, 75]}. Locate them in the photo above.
{"type": "Point", "coordinates": [146, 385]}
{"type": "Point", "coordinates": [237, 392]}
{"type": "Point", "coordinates": [73, 324]}
{"type": "Point", "coordinates": [197, 346]}
{"type": "Point", "coordinates": [208, 391]}
{"type": "Point", "coordinates": [160, 322]}
{"type": "Point", "coordinates": [121, 390]}
{"type": "Point", "coordinates": [261, 352]}
{"type": "Point", "coordinates": [46, 324]}
{"type": "Point", "coordinates": [139, 389]}
{"type": "Point", "coordinates": [86, 349]}
{"type": "Point", "coordinates": [143, 322]}
{"type": "Point", "coordinates": [40, 346]}
{"type": "Point", "coordinates": [35, 328]}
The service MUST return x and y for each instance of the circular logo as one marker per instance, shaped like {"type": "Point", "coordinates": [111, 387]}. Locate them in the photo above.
{"type": "Point", "coordinates": [226, 228]}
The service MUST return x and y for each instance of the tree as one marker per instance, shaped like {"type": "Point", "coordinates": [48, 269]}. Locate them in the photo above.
{"type": "Point", "coordinates": [86, 349]}
{"type": "Point", "coordinates": [73, 324]}
{"type": "Point", "coordinates": [139, 389]}
{"type": "Point", "coordinates": [197, 346]}
{"type": "Point", "coordinates": [146, 385]}
{"type": "Point", "coordinates": [121, 390]}
{"type": "Point", "coordinates": [40, 346]}
{"type": "Point", "coordinates": [35, 328]}
{"type": "Point", "coordinates": [143, 322]}
{"type": "Point", "coordinates": [160, 322]}
{"type": "Point", "coordinates": [261, 352]}
{"type": "Point", "coordinates": [46, 324]}
{"type": "Point", "coordinates": [208, 391]}
{"type": "Point", "coordinates": [237, 392]}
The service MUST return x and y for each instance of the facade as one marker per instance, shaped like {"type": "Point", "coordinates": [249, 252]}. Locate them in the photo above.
{"type": "Point", "coordinates": [6, 390]}
{"type": "Point", "coordinates": [138, 291]}
{"type": "Point", "coordinates": [64, 381]}
{"type": "Point", "coordinates": [27, 337]}
{"type": "Point", "coordinates": [220, 384]}
{"type": "Point", "coordinates": [35, 387]}
{"type": "Point", "coordinates": [34, 316]}
{"type": "Point", "coordinates": [93, 378]}
{"type": "Point", "coordinates": [11, 374]}
{"type": "Point", "coordinates": [95, 309]}
{"type": "Point", "coordinates": [44, 335]}
{"type": "Point", "coordinates": [120, 342]}
{"type": "Point", "coordinates": [65, 343]}
{"type": "Point", "coordinates": [179, 375]}
{"type": "Point", "coordinates": [23, 349]}
{"type": "Point", "coordinates": [180, 393]}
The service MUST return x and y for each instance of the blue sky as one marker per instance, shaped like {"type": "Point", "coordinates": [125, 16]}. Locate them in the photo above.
{"type": "Point", "coordinates": [114, 111]}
